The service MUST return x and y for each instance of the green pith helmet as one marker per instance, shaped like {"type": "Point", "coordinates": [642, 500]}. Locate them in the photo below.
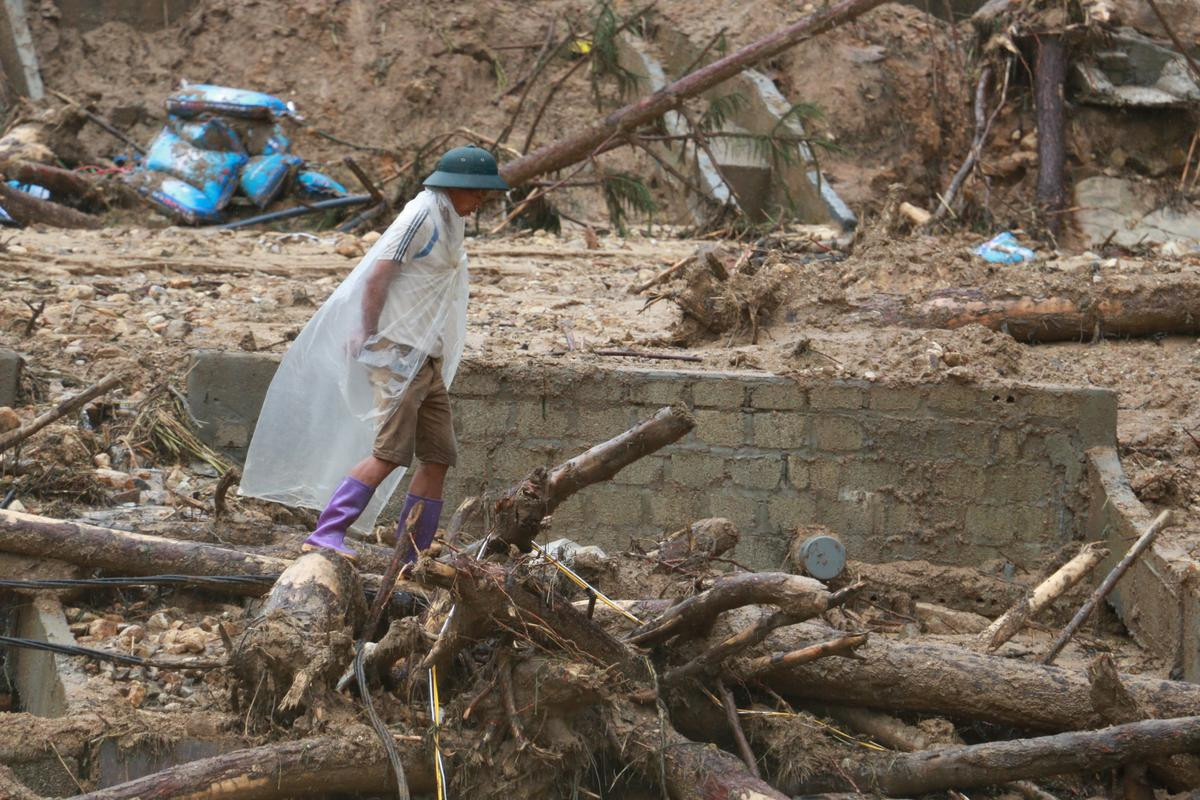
{"type": "Point", "coordinates": [467, 167]}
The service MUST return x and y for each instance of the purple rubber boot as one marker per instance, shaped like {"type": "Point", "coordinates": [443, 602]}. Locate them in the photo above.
{"type": "Point", "coordinates": [426, 525]}
{"type": "Point", "coordinates": [343, 508]}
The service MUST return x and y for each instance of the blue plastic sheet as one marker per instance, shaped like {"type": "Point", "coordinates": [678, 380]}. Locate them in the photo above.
{"type": "Point", "coordinates": [201, 98]}
{"type": "Point", "coordinates": [319, 184]}
{"type": "Point", "coordinates": [277, 142]}
{"type": "Point", "coordinates": [1004, 249]}
{"type": "Point", "coordinates": [212, 172]}
{"type": "Point", "coordinates": [177, 198]}
{"type": "Point", "coordinates": [209, 134]}
{"type": "Point", "coordinates": [263, 177]}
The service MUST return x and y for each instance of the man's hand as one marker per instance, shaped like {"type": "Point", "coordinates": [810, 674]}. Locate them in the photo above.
{"type": "Point", "coordinates": [355, 342]}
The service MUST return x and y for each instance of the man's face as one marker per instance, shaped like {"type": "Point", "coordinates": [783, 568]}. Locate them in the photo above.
{"type": "Point", "coordinates": [468, 201]}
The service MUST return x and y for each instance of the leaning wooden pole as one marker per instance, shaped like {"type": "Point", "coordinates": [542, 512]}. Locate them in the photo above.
{"type": "Point", "coordinates": [572, 149]}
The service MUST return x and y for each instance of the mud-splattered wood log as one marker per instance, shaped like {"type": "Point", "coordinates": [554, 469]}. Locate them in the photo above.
{"type": "Point", "coordinates": [801, 597]}
{"type": "Point", "coordinates": [972, 766]}
{"type": "Point", "coordinates": [56, 179]}
{"type": "Point", "coordinates": [65, 407]}
{"type": "Point", "coordinates": [690, 771]}
{"type": "Point", "coordinates": [1119, 309]}
{"type": "Point", "coordinates": [352, 762]}
{"type": "Point", "coordinates": [29, 210]}
{"type": "Point", "coordinates": [951, 681]}
{"type": "Point", "coordinates": [130, 553]}
{"type": "Point", "coordinates": [303, 637]}
{"type": "Point", "coordinates": [572, 149]}
{"type": "Point", "coordinates": [1117, 706]}
{"type": "Point", "coordinates": [1049, 590]}
{"type": "Point", "coordinates": [960, 588]}
{"type": "Point", "coordinates": [1163, 520]}
{"type": "Point", "coordinates": [519, 512]}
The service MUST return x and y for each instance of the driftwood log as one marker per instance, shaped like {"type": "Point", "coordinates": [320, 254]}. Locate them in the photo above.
{"type": "Point", "coordinates": [1116, 309]}
{"type": "Point", "coordinates": [952, 681]}
{"type": "Point", "coordinates": [972, 766]}
{"type": "Point", "coordinates": [130, 553]}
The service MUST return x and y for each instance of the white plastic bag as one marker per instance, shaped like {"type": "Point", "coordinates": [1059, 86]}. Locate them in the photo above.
{"type": "Point", "coordinates": [321, 411]}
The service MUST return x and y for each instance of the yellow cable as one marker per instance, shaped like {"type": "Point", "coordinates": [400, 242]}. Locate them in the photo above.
{"type": "Point", "coordinates": [435, 704]}
{"type": "Point", "coordinates": [582, 584]}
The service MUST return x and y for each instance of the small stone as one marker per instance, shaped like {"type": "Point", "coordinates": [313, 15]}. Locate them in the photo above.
{"type": "Point", "coordinates": [371, 237]}
{"type": "Point", "coordinates": [113, 479]}
{"type": "Point", "coordinates": [8, 419]}
{"type": "Point", "coordinates": [177, 329]}
{"type": "Point", "coordinates": [102, 628]}
{"type": "Point", "coordinates": [136, 695]}
{"type": "Point", "coordinates": [191, 640]}
{"type": "Point", "coordinates": [79, 292]}
{"type": "Point", "coordinates": [158, 621]}
{"type": "Point", "coordinates": [349, 246]}
{"type": "Point", "coordinates": [132, 633]}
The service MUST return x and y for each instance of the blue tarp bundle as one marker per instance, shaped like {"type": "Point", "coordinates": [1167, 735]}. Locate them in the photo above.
{"type": "Point", "coordinates": [218, 140]}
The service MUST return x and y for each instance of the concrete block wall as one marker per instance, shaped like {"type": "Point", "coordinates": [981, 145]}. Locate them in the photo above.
{"type": "Point", "coordinates": [1158, 598]}
{"type": "Point", "coordinates": [10, 377]}
{"type": "Point", "coordinates": [950, 473]}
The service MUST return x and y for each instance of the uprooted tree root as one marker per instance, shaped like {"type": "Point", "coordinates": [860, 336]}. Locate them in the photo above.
{"type": "Point", "coordinates": [722, 296]}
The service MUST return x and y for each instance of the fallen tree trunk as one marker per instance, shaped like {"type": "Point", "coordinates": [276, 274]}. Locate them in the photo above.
{"type": "Point", "coordinates": [519, 512]}
{"type": "Point", "coordinates": [302, 640]}
{"type": "Point", "coordinates": [351, 762]}
{"type": "Point", "coordinates": [1049, 590]}
{"type": "Point", "coordinates": [1117, 706]}
{"type": "Point", "coordinates": [129, 553]}
{"type": "Point", "coordinates": [951, 681]}
{"type": "Point", "coordinates": [979, 765]}
{"type": "Point", "coordinates": [29, 210]}
{"type": "Point", "coordinates": [576, 148]}
{"type": "Point", "coordinates": [1130, 309]}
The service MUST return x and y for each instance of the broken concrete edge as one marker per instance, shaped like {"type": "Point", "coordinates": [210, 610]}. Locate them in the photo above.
{"type": "Point", "coordinates": [11, 364]}
{"type": "Point", "coordinates": [1158, 599]}
{"type": "Point", "coordinates": [18, 54]}
{"type": "Point", "coordinates": [48, 684]}
{"type": "Point", "coordinates": [954, 473]}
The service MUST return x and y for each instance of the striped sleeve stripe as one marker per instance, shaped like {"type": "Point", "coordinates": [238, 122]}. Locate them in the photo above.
{"type": "Point", "coordinates": [407, 238]}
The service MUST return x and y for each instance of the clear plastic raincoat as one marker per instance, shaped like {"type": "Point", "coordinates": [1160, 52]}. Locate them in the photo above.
{"type": "Point", "coordinates": [321, 411]}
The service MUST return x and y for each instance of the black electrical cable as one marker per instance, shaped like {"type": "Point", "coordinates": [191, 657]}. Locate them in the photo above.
{"type": "Point", "coordinates": [105, 655]}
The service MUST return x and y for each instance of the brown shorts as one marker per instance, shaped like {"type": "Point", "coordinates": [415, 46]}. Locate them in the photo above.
{"type": "Point", "coordinates": [419, 422]}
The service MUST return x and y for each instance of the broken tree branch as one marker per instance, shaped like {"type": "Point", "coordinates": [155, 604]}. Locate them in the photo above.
{"type": "Point", "coordinates": [520, 511]}
{"type": "Point", "coordinates": [1049, 590]}
{"type": "Point", "coordinates": [972, 766]}
{"type": "Point", "coordinates": [65, 407]}
{"type": "Point", "coordinates": [735, 725]}
{"type": "Point", "coordinates": [571, 149]}
{"type": "Point", "coordinates": [1163, 520]}
{"type": "Point", "coordinates": [843, 646]}
{"type": "Point", "coordinates": [983, 126]}
{"type": "Point", "coordinates": [799, 596]}
{"type": "Point", "coordinates": [1050, 75]}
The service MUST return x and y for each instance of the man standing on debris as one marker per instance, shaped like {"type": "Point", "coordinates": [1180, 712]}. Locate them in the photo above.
{"type": "Point", "coordinates": [369, 373]}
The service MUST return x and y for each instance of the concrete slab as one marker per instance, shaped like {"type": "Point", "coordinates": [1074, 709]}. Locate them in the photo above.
{"type": "Point", "coordinates": [46, 683]}
{"type": "Point", "coordinates": [225, 392]}
{"type": "Point", "coordinates": [10, 377]}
